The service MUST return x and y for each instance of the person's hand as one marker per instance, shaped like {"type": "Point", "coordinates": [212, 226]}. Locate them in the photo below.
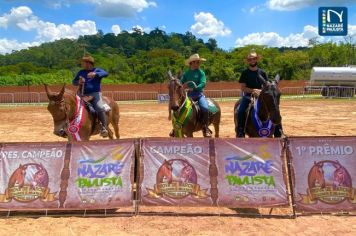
{"type": "Point", "coordinates": [256, 92]}
{"type": "Point", "coordinates": [81, 80]}
{"type": "Point", "coordinates": [91, 75]}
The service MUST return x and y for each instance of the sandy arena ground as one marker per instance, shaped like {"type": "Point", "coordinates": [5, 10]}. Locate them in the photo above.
{"type": "Point", "coordinates": [300, 118]}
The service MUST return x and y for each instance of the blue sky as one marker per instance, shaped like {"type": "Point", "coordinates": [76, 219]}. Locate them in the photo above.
{"type": "Point", "coordinates": [232, 23]}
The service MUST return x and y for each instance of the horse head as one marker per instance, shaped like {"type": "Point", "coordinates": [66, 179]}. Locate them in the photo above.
{"type": "Point", "coordinates": [270, 98]}
{"type": "Point", "coordinates": [59, 108]}
{"type": "Point", "coordinates": [316, 175]}
{"type": "Point", "coordinates": [176, 92]}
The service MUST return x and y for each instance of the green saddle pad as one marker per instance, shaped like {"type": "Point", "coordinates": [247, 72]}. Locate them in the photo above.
{"type": "Point", "coordinates": [212, 108]}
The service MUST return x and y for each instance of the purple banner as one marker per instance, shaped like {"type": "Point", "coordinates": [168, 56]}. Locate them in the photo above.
{"type": "Point", "coordinates": [100, 174]}
{"type": "Point", "coordinates": [176, 172]}
{"type": "Point", "coordinates": [30, 175]}
{"type": "Point", "coordinates": [250, 173]}
{"type": "Point", "coordinates": [324, 171]}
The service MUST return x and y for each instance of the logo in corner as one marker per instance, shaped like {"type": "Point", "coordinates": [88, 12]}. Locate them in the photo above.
{"type": "Point", "coordinates": [332, 21]}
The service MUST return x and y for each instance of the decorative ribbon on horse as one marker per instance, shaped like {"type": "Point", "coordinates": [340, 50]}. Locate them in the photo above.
{"type": "Point", "coordinates": [263, 128]}
{"type": "Point", "coordinates": [182, 118]}
{"type": "Point", "coordinates": [76, 123]}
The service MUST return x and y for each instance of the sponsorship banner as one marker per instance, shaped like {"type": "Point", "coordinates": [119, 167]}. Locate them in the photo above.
{"type": "Point", "coordinates": [251, 173]}
{"type": "Point", "coordinates": [324, 173]}
{"type": "Point", "coordinates": [100, 174]}
{"type": "Point", "coordinates": [30, 175]}
{"type": "Point", "coordinates": [176, 172]}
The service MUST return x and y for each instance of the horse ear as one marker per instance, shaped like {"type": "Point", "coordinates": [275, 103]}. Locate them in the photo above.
{"type": "Point", "coordinates": [170, 75]}
{"type": "Point", "coordinates": [62, 91]}
{"type": "Point", "coordinates": [48, 91]}
{"type": "Point", "coordinates": [277, 78]}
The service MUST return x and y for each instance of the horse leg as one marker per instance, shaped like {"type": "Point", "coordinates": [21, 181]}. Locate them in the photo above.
{"type": "Point", "coordinates": [189, 135]}
{"type": "Point", "coordinates": [217, 128]}
{"type": "Point", "coordinates": [111, 134]}
{"type": "Point", "coordinates": [115, 123]}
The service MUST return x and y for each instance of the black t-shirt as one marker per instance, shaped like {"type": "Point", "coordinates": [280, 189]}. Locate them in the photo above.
{"type": "Point", "coordinates": [250, 78]}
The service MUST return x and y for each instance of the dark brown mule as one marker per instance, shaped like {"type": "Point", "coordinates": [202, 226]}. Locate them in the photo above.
{"type": "Point", "coordinates": [62, 107]}
{"type": "Point", "coordinates": [177, 97]}
{"type": "Point", "coordinates": [269, 108]}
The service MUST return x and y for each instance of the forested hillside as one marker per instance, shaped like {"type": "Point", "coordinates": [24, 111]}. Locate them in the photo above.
{"type": "Point", "coordinates": [139, 57]}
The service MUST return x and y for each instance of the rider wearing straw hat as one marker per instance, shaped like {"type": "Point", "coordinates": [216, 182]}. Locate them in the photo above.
{"type": "Point", "coordinates": [196, 75]}
{"type": "Point", "coordinates": [251, 85]}
{"type": "Point", "coordinates": [90, 78]}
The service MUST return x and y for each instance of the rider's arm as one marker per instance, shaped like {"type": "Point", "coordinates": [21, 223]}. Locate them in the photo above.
{"type": "Point", "coordinates": [245, 89]}
{"type": "Point", "coordinates": [75, 81]}
{"type": "Point", "coordinates": [202, 83]}
{"type": "Point", "coordinates": [100, 73]}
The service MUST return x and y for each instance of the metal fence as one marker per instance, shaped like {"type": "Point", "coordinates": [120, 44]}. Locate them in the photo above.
{"type": "Point", "coordinates": [293, 92]}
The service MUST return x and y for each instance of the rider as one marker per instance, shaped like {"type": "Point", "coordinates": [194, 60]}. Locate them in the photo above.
{"type": "Point", "coordinates": [197, 75]}
{"type": "Point", "coordinates": [251, 85]}
{"type": "Point", "coordinates": [90, 77]}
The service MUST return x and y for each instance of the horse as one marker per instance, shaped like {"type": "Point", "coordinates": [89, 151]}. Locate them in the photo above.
{"type": "Point", "coordinates": [316, 176]}
{"type": "Point", "coordinates": [263, 114]}
{"type": "Point", "coordinates": [178, 99]}
{"type": "Point", "coordinates": [341, 177]}
{"type": "Point", "coordinates": [18, 177]}
{"type": "Point", "coordinates": [64, 110]}
{"type": "Point", "coordinates": [164, 173]}
{"type": "Point", "coordinates": [187, 174]}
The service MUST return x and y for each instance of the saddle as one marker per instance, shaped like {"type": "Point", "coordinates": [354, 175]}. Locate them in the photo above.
{"type": "Point", "coordinates": [212, 108]}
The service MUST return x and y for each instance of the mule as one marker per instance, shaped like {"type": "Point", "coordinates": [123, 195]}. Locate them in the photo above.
{"type": "Point", "coordinates": [65, 109]}
{"type": "Point", "coordinates": [263, 114]}
{"type": "Point", "coordinates": [186, 117]}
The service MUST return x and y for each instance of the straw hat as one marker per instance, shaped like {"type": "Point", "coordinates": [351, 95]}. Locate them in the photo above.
{"type": "Point", "coordinates": [253, 54]}
{"type": "Point", "coordinates": [88, 59]}
{"type": "Point", "coordinates": [194, 57]}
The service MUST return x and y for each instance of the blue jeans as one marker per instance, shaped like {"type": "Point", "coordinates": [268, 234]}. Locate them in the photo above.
{"type": "Point", "coordinates": [241, 120]}
{"type": "Point", "coordinates": [97, 101]}
{"type": "Point", "coordinates": [203, 104]}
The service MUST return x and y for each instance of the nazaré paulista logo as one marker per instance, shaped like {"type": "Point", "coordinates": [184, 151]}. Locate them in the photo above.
{"type": "Point", "coordinates": [332, 21]}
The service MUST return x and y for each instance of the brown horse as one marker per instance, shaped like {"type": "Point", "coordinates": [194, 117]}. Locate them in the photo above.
{"type": "Point", "coordinates": [62, 107]}
{"type": "Point", "coordinates": [18, 177]}
{"type": "Point", "coordinates": [178, 97]}
{"type": "Point", "coordinates": [266, 115]}
{"type": "Point", "coordinates": [316, 176]}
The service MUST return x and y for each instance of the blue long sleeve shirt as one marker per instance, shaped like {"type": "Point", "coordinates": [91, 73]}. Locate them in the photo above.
{"type": "Point", "coordinates": [91, 85]}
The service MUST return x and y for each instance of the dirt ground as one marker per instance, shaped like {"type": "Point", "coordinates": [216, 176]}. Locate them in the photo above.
{"type": "Point", "coordinates": [300, 118]}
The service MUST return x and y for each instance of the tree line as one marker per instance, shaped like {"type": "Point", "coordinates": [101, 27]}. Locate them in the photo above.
{"type": "Point", "coordinates": [140, 57]}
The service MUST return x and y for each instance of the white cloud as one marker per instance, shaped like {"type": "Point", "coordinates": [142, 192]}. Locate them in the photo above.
{"type": "Point", "coordinates": [207, 25]}
{"type": "Point", "coordinates": [48, 31]}
{"type": "Point", "coordinates": [290, 5]}
{"type": "Point", "coordinates": [140, 28]}
{"type": "Point", "coordinates": [116, 29]}
{"type": "Point", "coordinates": [273, 39]}
{"type": "Point", "coordinates": [122, 8]}
{"type": "Point", "coordinates": [7, 46]}
{"type": "Point", "coordinates": [23, 18]}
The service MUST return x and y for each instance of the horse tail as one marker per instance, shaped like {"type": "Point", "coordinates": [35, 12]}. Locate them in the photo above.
{"type": "Point", "coordinates": [115, 119]}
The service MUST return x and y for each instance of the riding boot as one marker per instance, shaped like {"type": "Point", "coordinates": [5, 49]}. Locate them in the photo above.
{"type": "Point", "coordinates": [205, 121]}
{"type": "Point", "coordinates": [102, 118]}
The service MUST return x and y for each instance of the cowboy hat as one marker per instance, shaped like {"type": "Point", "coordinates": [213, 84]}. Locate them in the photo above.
{"type": "Point", "coordinates": [194, 57]}
{"type": "Point", "coordinates": [88, 59]}
{"type": "Point", "coordinates": [253, 54]}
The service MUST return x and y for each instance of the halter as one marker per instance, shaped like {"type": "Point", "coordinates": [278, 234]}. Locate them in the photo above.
{"type": "Point", "coordinates": [182, 114]}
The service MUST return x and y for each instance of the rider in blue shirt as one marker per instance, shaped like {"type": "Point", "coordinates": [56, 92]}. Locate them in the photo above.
{"type": "Point", "coordinates": [90, 78]}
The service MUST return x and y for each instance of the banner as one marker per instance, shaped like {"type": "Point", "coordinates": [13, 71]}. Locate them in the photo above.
{"type": "Point", "coordinates": [30, 175]}
{"type": "Point", "coordinates": [100, 174]}
{"type": "Point", "coordinates": [250, 173]}
{"type": "Point", "coordinates": [324, 173]}
{"type": "Point", "coordinates": [175, 172]}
